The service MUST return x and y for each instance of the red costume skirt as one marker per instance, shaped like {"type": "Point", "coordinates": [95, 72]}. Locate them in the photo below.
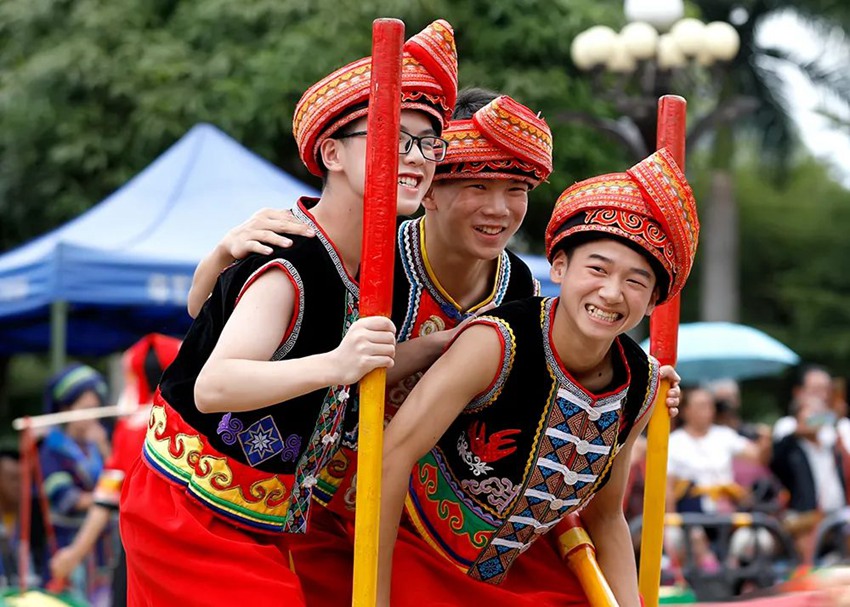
{"type": "Point", "coordinates": [324, 563]}
{"type": "Point", "coordinates": [180, 553]}
{"type": "Point", "coordinates": [538, 578]}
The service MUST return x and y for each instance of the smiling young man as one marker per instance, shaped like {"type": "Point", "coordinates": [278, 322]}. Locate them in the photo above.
{"type": "Point", "coordinates": [534, 408]}
{"type": "Point", "coordinates": [450, 264]}
{"type": "Point", "coordinates": [251, 410]}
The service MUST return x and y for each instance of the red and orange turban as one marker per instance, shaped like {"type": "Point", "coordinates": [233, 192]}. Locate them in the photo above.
{"type": "Point", "coordinates": [651, 206]}
{"type": "Point", "coordinates": [502, 140]}
{"type": "Point", "coordinates": [428, 83]}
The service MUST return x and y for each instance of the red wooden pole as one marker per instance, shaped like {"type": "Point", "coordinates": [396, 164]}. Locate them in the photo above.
{"type": "Point", "coordinates": [376, 285]}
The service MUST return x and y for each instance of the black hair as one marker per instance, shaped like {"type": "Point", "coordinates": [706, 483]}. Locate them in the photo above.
{"type": "Point", "coordinates": [569, 244]}
{"type": "Point", "coordinates": [471, 100]}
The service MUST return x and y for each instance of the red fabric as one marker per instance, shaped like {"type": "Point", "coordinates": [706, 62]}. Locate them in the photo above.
{"type": "Point", "coordinates": [324, 559]}
{"type": "Point", "coordinates": [538, 578]}
{"type": "Point", "coordinates": [127, 441]}
{"type": "Point", "coordinates": [180, 553]}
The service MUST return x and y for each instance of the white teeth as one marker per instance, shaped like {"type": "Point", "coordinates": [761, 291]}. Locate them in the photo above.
{"type": "Point", "coordinates": [489, 231]}
{"type": "Point", "coordinates": [408, 182]}
{"type": "Point", "coordinates": [606, 316]}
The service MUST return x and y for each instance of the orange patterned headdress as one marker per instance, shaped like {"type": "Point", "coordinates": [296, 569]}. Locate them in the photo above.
{"type": "Point", "coordinates": [651, 205]}
{"type": "Point", "coordinates": [428, 84]}
{"type": "Point", "coordinates": [502, 140]}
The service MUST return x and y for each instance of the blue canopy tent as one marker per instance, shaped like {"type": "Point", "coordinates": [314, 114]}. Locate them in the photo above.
{"type": "Point", "coordinates": [124, 268]}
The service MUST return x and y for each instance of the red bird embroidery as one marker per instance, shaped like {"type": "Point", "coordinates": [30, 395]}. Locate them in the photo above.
{"type": "Point", "coordinates": [494, 448]}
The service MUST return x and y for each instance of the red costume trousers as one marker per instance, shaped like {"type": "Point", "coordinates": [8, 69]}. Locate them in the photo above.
{"type": "Point", "coordinates": [180, 554]}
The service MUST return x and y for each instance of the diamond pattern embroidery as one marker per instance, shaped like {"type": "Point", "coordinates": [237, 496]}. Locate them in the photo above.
{"type": "Point", "coordinates": [319, 450]}
{"type": "Point", "coordinates": [568, 418]}
{"type": "Point", "coordinates": [260, 441]}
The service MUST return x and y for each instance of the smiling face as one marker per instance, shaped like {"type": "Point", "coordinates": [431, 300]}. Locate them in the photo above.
{"type": "Point", "coordinates": [477, 217]}
{"type": "Point", "coordinates": [606, 287]}
{"type": "Point", "coordinates": [345, 159]}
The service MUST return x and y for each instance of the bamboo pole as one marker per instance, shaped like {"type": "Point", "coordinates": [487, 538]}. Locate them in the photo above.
{"type": "Point", "coordinates": [376, 283]}
{"type": "Point", "coordinates": [663, 333]}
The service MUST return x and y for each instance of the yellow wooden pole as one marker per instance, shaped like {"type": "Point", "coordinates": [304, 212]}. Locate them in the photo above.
{"type": "Point", "coordinates": [367, 521]}
{"type": "Point", "coordinates": [654, 496]}
{"type": "Point", "coordinates": [577, 548]}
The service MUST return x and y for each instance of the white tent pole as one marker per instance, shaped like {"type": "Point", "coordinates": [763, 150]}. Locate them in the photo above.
{"type": "Point", "coordinates": [58, 334]}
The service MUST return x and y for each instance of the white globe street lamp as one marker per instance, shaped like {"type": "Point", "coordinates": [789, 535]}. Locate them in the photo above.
{"type": "Point", "coordinates": [661, 14]}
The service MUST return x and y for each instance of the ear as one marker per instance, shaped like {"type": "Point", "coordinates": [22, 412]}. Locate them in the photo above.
{"type": "Point", "coordinates": [559, 267]}
{"type": "Point", "coordinates": [653, 300]}
{"type": "Point", "coordinates": [429, 201]}
{"type": "Point", "coordinates": [330, 152]}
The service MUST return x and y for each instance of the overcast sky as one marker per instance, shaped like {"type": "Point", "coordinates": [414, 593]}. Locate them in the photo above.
{"type": "Point", "coordinates": [820, 135]}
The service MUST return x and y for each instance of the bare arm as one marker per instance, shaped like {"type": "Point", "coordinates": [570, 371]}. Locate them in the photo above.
{"type": "Point", "coordinates": [238, 376]}
{"type": "Point", "coordinates": [606, 524]}
{"type": "Point", "coordinates": [463, 372]}
{"type": "Point", "coordinates": [419, 353]}
{"type": "Point", "coordinates": [262, 229]}
{"type": "Point", "coordinates": [416, 355]}
{"type": "Point", "coordinates": [67, 559]}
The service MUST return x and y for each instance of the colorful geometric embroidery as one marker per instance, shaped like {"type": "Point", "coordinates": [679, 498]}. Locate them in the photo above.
{"type": "Point", "coordinates": [428, 83]}
{"type": "Point", "coordinates": [503, 140]}
{"type": "Point", "coordinates": [323, 443]}
{"type": "Point", "coordinates": [249, 497]}
{"type": "Point", "coordinates": [411, 243]}
{"type": "Point", "coordinates": [260, 441]}
{"type": "Point", "coordinates": [577, 443]}
{"type": "Point", "coordinates": [651, 205]}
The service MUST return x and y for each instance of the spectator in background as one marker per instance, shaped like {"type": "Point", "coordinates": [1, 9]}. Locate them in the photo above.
{"type": "Point", "coordinates": [811, 381]}
{"type": "Point", "coordinates": [727, 399]}
{"type": "Point", "coordinates": [809, 468]}
{"type": "Point", "coordinates": [72, 456]}
{"type": "Point", "coordinates": [701, 455]}
{"type": "Point", "coordinates": [143, 365]}
{"type": "Point", "coordinates": [700, 472]}
{"type": "Point", "coordinates": [10, 491]}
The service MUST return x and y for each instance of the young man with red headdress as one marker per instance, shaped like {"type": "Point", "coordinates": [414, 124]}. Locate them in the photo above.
{"type": "Point", "coordinates": [143, 364]}
{"type": "Point", "coordinates": [565, 391]}
{"type": "Point", "coordinates": [252, 408]}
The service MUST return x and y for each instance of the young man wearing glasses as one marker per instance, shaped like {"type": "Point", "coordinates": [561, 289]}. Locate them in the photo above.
{"type": "Point", "coordinates": [251, 410]}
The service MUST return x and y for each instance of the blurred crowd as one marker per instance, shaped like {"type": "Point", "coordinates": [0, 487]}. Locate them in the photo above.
{"type": "Point", "coordinates": [789, 482]}
{"type": "Point", "coordinates": [751, 492]}
{"type": "Point", "coordinates": [77, 469]}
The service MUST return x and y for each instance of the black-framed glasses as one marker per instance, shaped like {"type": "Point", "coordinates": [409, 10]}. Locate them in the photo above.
{"type": "Point", "coordinates": [433, 148]}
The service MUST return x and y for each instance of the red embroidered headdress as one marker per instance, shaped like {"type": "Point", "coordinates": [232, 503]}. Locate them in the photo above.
{"type": "Point", "coordinates": [502, 140]}
{"type": "Point", "coordinates": [428, 83]}
{"type": "Point", "coordinates": [650, 205]}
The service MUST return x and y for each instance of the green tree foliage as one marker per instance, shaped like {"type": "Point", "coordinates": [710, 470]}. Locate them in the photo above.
{"type": "Point", "coordinates": [795, 251]}
{"type": "Point", "coordinates": [92, 90]}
